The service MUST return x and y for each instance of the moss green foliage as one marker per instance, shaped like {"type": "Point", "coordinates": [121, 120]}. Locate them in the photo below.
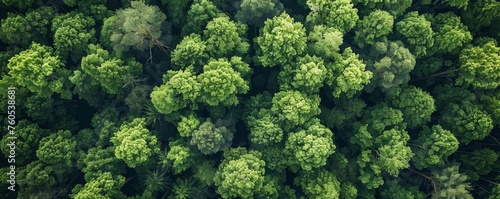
{"type": "Point", "coordinates": [250, 99]}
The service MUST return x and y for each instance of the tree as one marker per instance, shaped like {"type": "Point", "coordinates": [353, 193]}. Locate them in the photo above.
{"type": "Point", "coordinates": [416, 105]}
{"type": "Point", "coordinates": [198, 16]}
{"type": "Point", "coordinates": [223, 39]}
{"type": "Point", "coordinates": [241, 167]}
{"type": "Point", "coordinates": [306, 75]}
{"type": "Point", "coordinates": [192, 51]}
{"type": "Point", "coordinates": [134, 143]}
{"type": "Point", "coordinates": [255, 12]}
{"type": "Point", "coordinates": [105, 185]}
{"type": "Point", "coordinates": [450, 34]}
{"type": "Point", "coordinates": [394, 189]}
{"type": "Point", "coordinates": [311, 146]}
{"type": "Point", "coordinates": [220, 84]}
{"type": "Point", "coordinates": [294, 108]}
{"type": "Point", "coordinates": [324, 41]}
{"type": "Point", "coordinates": [373, 28]}
{"type": "Point", "coordinates": [280, 40]}
{"type": "Point", "coordinates": [181, 157]}
{"type": "Point", "coordinates": [28, 138]}
{"type": "Point", "coordinates": [99, 159]}
{"type": "Point", "coordinates": [57, 148]}
{"type": "Point", "coordinates": [109, 71]}
{"type": "Point", "coordinates": [318, 184]}
{"type": "Point", "coordinates": [211, 138]}
{"type": "Point", "coordinates": [39, 70]}
{"type": "Point", "coordinates": [138, 27]}
{"type": "Point", "coordinates": [481, 13]}
{"type": "Point", "coordinates": [18, 29]}
{"type": "Point", "coordinates": [347, 75]}
{"type": "Point", "coordinates": [478, 163]}
{"type": "Point", "coordinates": [480, 66]}
{"type": "Point", "coordinates": [450, 183]}
{"type": "Point", "coordinates": [433, 147]}
{"type": "Point", "coordinates": [466, 121]}
{"type": "Point", "coordinates": [73, 32]}
{"type": "Point", "coordinates": [264, 128]}
{"type": "Point", "coordinates": [339, 14]}
{"type": "Point", "coordinates": [392, 67]}
{"type": "Point", "coordinates": [417, 32]}
{"type": "Point", "coordinates": [180, 89]}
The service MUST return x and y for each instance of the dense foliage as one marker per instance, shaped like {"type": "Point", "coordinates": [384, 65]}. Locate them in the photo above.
{"type": "Point", "coordinates": [248, 99]}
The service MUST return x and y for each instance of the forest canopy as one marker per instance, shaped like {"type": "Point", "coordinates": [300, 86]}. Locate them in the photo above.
{"type": "Point", "coordinates": [249, 99]}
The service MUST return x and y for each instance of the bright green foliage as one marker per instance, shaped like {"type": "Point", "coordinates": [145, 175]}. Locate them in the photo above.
{"type": "Point", "coordinates": [450, 183]}
{"type": "Point", "coordinates": [241, 174]}
{"type": "Point", "coordinates": [191, 51]}
{"type": "Point", "coordinates": [295, 108]}
{"type": "Point", "coordinates": [211, 138]}
{"type": "Point", "coordinates": [109, 71]}
{"type": "Point", "coordinates": [416, 105]}
{"type": "Point", "coordinates": [450, 33]}
{"type": "Point", "coordinates": [324, 41]}
{"type": "Point", "coordinates": [270, 187]}
{"type": "Point", "coordinates": [347, 75]}
{"type": "Point", "coordinates": [28, 137]}
{"type": "Point", "coordinates": [138, 27]}
{"type": "Point", "coordinates": [198, 16]}
{"type": "Point", "coordinates": [306, 75]}
{"type": "Point", "coordinates": [433, 147]}
{"type": "Point", "coordinates": [181, 157]}
{"type": "Point", "coordinates": [280, 40]}
{"type": "Point", "coordinates": [348, 191]}
{"type": "Point", "coordinates": [255, 12]}
{"type": "Point", "coordinates": [88, 88]}
{"type": "Point", "coordinates": [393, 189]}
{"type": "Point", "coordinates": [220, 84]}
{"type": "Point", "coordinates": [373, 28]}
{"type": "Point", "coordinates": [479, 162]}
{"type": "Point", "coordinates": [264, 128]}
{"type": "Point", "coordinates": [180, 89]}
{"type": "Point", "coordinates": [188, 125]}
{"type": "Point", "coordinates": [318, 184]}
{"type": "Point", "coordinates": [393, 154]}
{"type": "Point", "coordinates": [392, 67]}
{"type": "Point", "coordinates": [338, 14]}
{"type": "Point", "coordinates": [72, 34]}
{"type": "Point", "coordinates": [467, 121]}
{"type": "Point", "coordinates": [310, 147]}
{"type": "Point", "coordinates": [480, 66]}
{"type": "Point", "coordinates": [134, 144]}
{"type": "Point", "coordinates": [101, 159]}
{"type": "Point", "coordinates": [39, 70]}
{"type": "Point", "coordinates": [222, 38]}
{"type": "Point", "coordinates": [105, 185]}
{"type": "Point", "coordinates": [417, 32]}
{"type": "Point", "coordinates": [57, 148]}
